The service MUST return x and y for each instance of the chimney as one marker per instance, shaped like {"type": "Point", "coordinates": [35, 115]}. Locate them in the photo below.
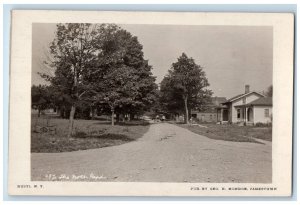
{"type": "Point", "coordinates": [247, 89]}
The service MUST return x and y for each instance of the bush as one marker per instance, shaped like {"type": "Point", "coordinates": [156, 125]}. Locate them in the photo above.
{"type": "Point", "coordinates": [80, 134]}
{"type": "Point", "coordinates": [83, 112]}
{"type": "Point", "coordinates": [260, 124]}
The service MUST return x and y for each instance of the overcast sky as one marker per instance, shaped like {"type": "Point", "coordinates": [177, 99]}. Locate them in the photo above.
{"type": "Point", "coordinates": [232, 56]}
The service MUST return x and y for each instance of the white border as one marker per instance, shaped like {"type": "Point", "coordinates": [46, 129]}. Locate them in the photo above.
{"type": "Point", "coordinates": [19, 172]}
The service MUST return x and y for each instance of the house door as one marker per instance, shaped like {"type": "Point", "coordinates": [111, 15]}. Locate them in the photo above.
{"type": "Point", "coordinates": [250, 114]}
{"type": "Point", "coordinates": [225, 115]}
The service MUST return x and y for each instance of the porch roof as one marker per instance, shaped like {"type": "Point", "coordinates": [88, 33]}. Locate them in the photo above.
{"type": "Point", "coordinates": [222, 107]}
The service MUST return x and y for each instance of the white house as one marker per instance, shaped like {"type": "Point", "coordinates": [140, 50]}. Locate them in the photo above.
{"type": "Point", "coordinates": [249, 108]}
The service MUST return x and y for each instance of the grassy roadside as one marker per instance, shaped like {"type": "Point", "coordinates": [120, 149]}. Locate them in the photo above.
{"type": "Point", "coordinates": [231, 132]}
{"type": "Point", "coordinates": [89, 134]}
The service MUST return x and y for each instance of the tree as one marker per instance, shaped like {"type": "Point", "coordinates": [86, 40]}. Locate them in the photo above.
{"type": "Point", "coordinates": [99, 64]}
{"type": "Point", "coordinates": [72, 54]}
{"type": "Point", "coordinates": [119, 89]}
{"type": "Point", "coordinates": [125, 82]}
{"type": "Point", "coordinates": [269, 91]}
{"type": "Point", "coordinates": [185, 86]}
{"type": "Point", "coordinates": [170, 98]}
{"type": "Point", "coordinates": [41, 97]}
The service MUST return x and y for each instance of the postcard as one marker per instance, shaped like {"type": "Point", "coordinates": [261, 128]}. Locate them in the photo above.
{"type": "Point", "coordinates": [150, 103]}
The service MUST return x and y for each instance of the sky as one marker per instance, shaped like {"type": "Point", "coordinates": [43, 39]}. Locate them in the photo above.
{"type": "Point", "coordinates": [231, 56]}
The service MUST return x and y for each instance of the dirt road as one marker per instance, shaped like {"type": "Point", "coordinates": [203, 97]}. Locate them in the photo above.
{"type": "Point", "coordinates": [166, 153]}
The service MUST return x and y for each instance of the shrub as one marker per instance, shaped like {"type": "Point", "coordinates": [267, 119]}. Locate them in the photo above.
{"type": "Point", "coordinates": [260, 124]}
{"type": "Point", "coordinates": [80, 134]}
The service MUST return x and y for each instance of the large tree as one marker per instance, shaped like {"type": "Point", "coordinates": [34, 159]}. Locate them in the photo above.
{"type": "Point", "coordinates": [185, 87]}
{"type": "Point", "coordinates": [170, 98]}
{"type": "Point", "coordinates": [72, 54]}
{"type": "Point", "coordinates": [118, 90]}
{"type": "Point", "coordinates": [92, 62]}
{"type": "Point", "coordinates": [127, 84]}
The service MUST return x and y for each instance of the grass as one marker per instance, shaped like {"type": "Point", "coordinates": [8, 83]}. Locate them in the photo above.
{"type": "Point", "coordinates": [232, 132]}
{"type": "Point", "coordinates": [88, 134]}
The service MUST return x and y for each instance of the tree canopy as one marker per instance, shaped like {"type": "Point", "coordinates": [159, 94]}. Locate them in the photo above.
{"type": "Point", "coordinates": [185, 87]}
{"type": "Point", "coordinates": [99, 64]}
{"type": "Point", "coordinates": [41, 97]}
{"type": "Point", "coordinates": [128, 84]}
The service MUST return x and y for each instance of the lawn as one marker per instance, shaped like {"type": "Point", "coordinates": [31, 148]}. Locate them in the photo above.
{"type": "Point", "coordinates": [88, 134]}
{"type": "Point", "coordinates": [232, 132]}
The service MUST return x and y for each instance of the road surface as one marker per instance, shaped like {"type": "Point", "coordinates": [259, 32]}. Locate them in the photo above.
{"type": "Point", "coordinates": [166, 153]}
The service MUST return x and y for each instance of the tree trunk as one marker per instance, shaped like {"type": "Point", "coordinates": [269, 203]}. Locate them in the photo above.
{"type": "Point", "coordinates": [128, 117]}
{"type": "Point", "coordinates": [117, 117]}
{"type": "Point", "coordinates": [177, 117]}
{"type": "Point", "coordinates": [186, 120]}
{"type": "Point", "coordinates": [131, 116]}
{"type": "Point", "coordinates": [71, 120]}
{"type": "Point", "coordinates": [63, 112]}
{"type": "Point", "coordinates": [39, 112]}
{"type": "Point", "coordinates": [112, 116]}
{"type": "Point", "coordinates": [190, 113]}
{"type": "Point", "coordinates": [92, 113]}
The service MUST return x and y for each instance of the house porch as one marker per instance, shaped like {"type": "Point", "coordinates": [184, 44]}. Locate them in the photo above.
{"type": "Point", "coordinates": [244, 114]}
{"type": "Point", "coordinates": [222, 115]}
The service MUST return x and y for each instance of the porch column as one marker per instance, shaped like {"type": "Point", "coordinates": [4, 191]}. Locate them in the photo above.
{"type": "Point", "coordinates": [221, 118]}
{"type": "Point", "coordinates": [246, 114]}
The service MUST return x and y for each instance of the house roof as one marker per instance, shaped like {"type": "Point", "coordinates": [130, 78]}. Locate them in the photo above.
{"type": "Point", "coordinates": [263, 101]}
{"type": "Point", "coordinates": [218, 100]}
{"type": "Point", "coordinates": [240, 96]}
{"type": "Point", "coordinates": [237, 96]}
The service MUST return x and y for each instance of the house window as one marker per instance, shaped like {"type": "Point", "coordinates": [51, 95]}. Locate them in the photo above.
{"type": "Point", "coordinates": [267, 114]}
{"type": "Point", "coordinates": [211, 117]}
{"type": "Point", "coordinates": [238, 113]}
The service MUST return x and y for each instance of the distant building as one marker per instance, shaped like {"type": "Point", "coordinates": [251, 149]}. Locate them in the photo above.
{"type": "Point", "coordinates": [48, 111]}
{"type": "Point", "coordinates": [209, 114]}
{"type": "Point", "coordinates": [248, 108]}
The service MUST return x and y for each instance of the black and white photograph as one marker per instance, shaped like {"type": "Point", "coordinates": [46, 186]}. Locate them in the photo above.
{"type": "Point", "coordinates": [164, 108]}
{"type": "Point", "coordinates": [151, 103]}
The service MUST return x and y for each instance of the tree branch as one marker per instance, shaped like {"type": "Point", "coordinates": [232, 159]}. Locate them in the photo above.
{"type": "Point", "coordinates": [82, 94]}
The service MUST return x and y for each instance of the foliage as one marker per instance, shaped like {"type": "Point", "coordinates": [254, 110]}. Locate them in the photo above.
{"type": "Point", "coordinates": [41, 97]}
{"type": "Point", "coordinates": [72, 54]}
{"type": "Point", "coordinates": [99, 66]}
{"type": "Point", "coordinates": [185, 87]}
{"type": "Point", "coordinates": [124, 82]}
{"type": "Point", "coordinates": [269, 91]}
{"type": "Point", "coordinates": [260, 124]}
